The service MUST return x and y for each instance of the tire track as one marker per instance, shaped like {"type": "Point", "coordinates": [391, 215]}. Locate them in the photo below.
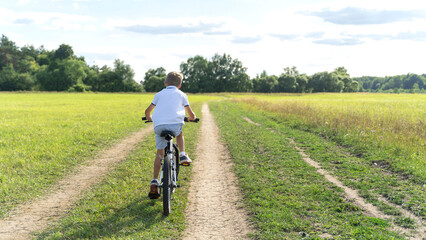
{"type": "Point", "coordinates": [38, 214]}
{"type": "Point", "coordinates": [350, 193]}
{"type": "Point", "coordinates": [213, 209]}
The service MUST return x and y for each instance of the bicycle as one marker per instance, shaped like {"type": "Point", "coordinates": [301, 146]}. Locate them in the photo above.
{"type": "Point", "coordinates": [169, 168]}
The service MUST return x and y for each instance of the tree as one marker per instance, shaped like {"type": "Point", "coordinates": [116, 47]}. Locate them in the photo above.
{"type": "Point", "coordinates": [317, 82]}
{"type": "Point", "coordinates": [291, 71]}
{"type": "Point", "coordinates": [157, 72]}
{"type": "Point", "coordinates": [377, 83]}
{"type": "Point", "coordinates": [62, 75]}
{"type": "Point", "coordinates": [264, 83]}
{"type": "Point", "coordinates": [154, 83]}
{"type": "Point", "coordinates": [411, 79]}
{"type": "Point", "coordinates": [349, 85]}
{"type": "Point", "coordinates": [125, 75]}
{"type": "Point", "coordinates": [196, 76]}
{"type": "Point", "coordinates": [154, 79]}
{"type": "Point", "coordinates": [241, 83]}
{"type": "Point", "coordinates": [9, 52]}
{"type": "Point", "coordinates": [326, 82]}
{"type": "Point", "coordinates": [13, 81]}
{"type": "Point", "coordinates": [223, 69]}
{"type": "Point", "coordinates": [119, 79]}
{"type": "Point", "coordinates": [302, 83]}
{"type": "Point", "coordinates": [394, 82]}
{"type": "Point", "coordinates": [63, 52]}
{"type": "Point", "coordinates": [220, 74]}
{"type": "Point", "coordinates": [286, 83]}
{"type": "Point", "coordinates": [416, 88]}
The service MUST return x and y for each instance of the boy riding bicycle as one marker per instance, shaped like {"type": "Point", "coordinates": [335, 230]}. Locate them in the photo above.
{"type": "Point", "coordinates": [170, 106]}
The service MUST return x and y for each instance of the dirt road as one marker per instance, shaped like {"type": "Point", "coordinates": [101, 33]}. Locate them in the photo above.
{"type": "Point", "coordinates": [36, 215]}
{"type": "Point", "coordinates": [214, 210]}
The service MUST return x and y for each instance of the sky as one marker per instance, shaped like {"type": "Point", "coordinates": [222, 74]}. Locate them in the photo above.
{"type": "Point", "coordinates": [367, 37]}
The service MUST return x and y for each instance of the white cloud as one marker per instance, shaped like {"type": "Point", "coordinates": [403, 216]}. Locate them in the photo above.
{"type": "Point", "coordinates": [160, 26]}
{"type": "Point", "coordinates": [282, 36]}
{"type": "Point", "coordinates": [246, 40]}
{"type": "Point", "coordinates": [48, 20]}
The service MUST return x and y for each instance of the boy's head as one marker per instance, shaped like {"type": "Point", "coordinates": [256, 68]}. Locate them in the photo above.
{"type": "Point", "coordinates": [174, 79]}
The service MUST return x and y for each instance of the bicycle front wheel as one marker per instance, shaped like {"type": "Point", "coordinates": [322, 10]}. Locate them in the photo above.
{"type": "Point", "coordinates": [167, 186]}
{"type": "Point", "coordinates": [176, 160]}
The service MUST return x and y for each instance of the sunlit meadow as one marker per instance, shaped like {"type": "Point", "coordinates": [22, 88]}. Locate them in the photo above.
{"type": "Point", "coordinates": [392, 121]}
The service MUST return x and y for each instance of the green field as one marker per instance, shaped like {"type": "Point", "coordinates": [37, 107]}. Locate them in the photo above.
{"type": "Point", "coordinates": [389, 127]}
{"type": "Point", "coordinates": [374, 143]}
{"type": "Point", "coordinates": [45, 135]}
{"type": "Point", "coordinates": [287, 196]}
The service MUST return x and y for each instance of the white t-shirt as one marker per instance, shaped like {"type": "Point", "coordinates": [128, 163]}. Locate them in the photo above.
{"type": "Point", "coordinates": [170, 106]}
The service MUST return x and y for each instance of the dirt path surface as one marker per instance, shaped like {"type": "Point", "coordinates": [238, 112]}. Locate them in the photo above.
{"type": "Point", "coordinates": [213, 209]}
{"type": "Point", "coordinates": [36, 215]}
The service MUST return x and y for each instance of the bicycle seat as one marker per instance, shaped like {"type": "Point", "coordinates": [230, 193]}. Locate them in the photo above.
{"type": "Point", "coordinates": [166, 133]}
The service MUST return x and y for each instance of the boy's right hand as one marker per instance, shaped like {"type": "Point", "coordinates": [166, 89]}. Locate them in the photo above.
{"type": "Point", "coordinates": [191, 118]}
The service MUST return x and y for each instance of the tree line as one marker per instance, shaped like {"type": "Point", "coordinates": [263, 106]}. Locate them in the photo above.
{"type": "Point", "coordinates": [37, 69]}
{"type": "Point", "coordinates": [409, 83]}
{"type": "Point", "coordinates": [223, 74]}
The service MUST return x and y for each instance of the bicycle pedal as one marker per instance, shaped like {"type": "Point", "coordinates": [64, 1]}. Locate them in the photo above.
{"type": "Point", "coordinates": [185, 164]}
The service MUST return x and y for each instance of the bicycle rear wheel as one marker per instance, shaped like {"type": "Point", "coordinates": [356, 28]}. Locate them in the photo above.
{"type": "Point", "coordinates": [167, 186]}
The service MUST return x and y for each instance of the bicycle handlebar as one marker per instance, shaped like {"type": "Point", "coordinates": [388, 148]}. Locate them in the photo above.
{"type": "Point", "coordinates": [185, 120]}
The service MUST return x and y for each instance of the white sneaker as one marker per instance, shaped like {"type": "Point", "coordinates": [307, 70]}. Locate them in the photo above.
{"type": "Point", "coordinates": [185, 160]}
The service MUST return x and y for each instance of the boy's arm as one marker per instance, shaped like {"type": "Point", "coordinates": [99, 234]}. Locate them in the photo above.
{"type": "Point", "coordinates": [148, 112]}
{"type": "Point", "coordinates": [190, 113]}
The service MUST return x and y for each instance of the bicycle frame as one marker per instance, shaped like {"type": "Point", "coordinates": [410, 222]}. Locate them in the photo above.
{"type": "Point", "coordinates": [174, 164]}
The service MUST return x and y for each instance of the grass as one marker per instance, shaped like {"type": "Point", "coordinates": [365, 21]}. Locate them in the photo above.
{"type": "Point", "coordinates": [386, 128]}
{"type": "Point", "coordinates": [287, 198]}
{"type": "Point", "coordinates": [393, 169]}
{"type": "Point", "coordinates": [119, 207]}
{"type": "Point", "coordinates": [371, 179]}
{"type": "Point", "coordinates": [43, 136]}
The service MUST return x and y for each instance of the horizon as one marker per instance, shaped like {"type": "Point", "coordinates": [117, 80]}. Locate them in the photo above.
{"type": "Point", "coordinates": [368, 38]}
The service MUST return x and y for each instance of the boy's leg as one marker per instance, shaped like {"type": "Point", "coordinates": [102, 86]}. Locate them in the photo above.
{"type": "Point", "coordinates": [184, 159]}
{"type": "Point", "coordinates": [157, 162]}
{"type": "Point", "coordinates": [180, 142]}
{"type": "Point", "coordinates": [153, 188]}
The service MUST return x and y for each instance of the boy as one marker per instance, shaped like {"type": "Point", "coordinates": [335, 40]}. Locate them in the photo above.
{"type": "Point", "coordinates": [170, 105]}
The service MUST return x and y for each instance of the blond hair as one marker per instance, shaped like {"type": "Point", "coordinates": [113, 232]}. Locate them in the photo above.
{"type": "Point", "coordinates": [174, 78]}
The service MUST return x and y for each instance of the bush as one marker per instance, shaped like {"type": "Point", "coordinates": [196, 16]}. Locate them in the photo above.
{"type": "Point", "coordinates": [79, 87]}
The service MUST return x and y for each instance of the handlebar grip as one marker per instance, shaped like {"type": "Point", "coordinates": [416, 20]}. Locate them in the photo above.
{"type": "Point", "coordinates": [196, 120]}
{"type": "Point", "coordinates": [144, 119]}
